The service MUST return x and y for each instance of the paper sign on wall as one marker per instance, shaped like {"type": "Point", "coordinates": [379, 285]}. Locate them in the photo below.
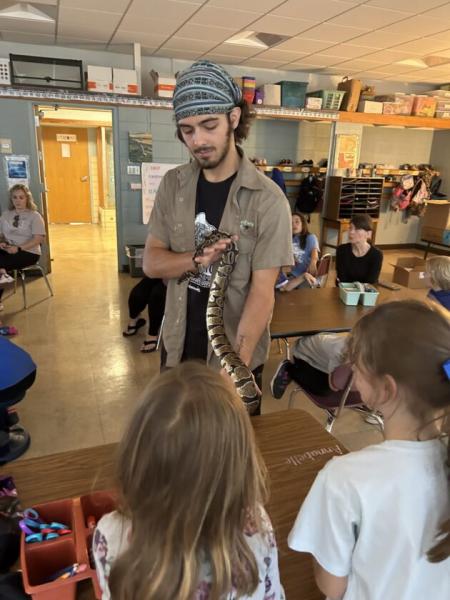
{"type": "Point", "coordinates": [66, 137]}
{"type": "Point", "coordinates": [152, 173]}
{"type": "Point", "coordinates": [17, 169]}
{"type": "Point", "coordinates": [65, 150]}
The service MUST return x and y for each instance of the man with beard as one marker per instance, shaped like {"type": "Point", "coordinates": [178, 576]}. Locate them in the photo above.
{"type": "Point", "coordinates": [219, 189]}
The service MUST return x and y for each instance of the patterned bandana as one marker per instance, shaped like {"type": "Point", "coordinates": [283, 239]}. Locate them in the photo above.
{"type": "Point", "coordinates": [204, 89]}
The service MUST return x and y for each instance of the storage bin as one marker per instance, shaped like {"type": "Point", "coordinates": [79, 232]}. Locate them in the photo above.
{"type": "Point", "coordinates": [396, 104]}
{"type": "Point", "coordinates": [135, 253]}
{"type": "Point", "coordinates": [293, 93]}
{"type": "Point", "coordinates": [370, 106]}
{"type": "Point", "coordinates": [271, 94]}
{"type": "Point", "coordinates": [370, 296]}
{"type": "Point", "coordinates": [331, 99]}
{"type": "Point", "coordinates": [424, 106]}
{"type": "Point", "coordinates": [442, 114]}
{"type": "Point", "coordinates": [349, 293]}
{"type": "Point", "coordinates": [313, 103]}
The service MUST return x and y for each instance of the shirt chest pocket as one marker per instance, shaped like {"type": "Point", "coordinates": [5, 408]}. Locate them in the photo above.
{"type": "Point", "coordinates": [178, 241]}
{"type": "Point", "coordinates": [246, 246]}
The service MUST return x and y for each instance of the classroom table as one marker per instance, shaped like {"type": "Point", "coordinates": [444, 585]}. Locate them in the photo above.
{"type": "Point", "coordinates": [308, 311]}
{"type": "Point", "coordinates": [294, 445]}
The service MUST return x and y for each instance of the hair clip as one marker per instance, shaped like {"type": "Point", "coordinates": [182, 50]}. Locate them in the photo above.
{"type": "Point", "coordinates": [446, 368]}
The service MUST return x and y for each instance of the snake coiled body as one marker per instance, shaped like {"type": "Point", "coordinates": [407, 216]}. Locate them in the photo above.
{"type": "Point", "coordinates": [240, 374]}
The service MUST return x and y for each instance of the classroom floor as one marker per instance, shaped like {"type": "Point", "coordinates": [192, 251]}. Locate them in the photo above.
{"type": "Point", "coordinates": [89, 377]}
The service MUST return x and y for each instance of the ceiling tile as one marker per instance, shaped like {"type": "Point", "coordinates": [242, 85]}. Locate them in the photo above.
{"type": "Point", "coordinates": [443, 12]}
{"type": "Point", "coordinates": [320, 59]}
{"type": "Point", "coordinates": [411, 6]}
{"type": "Point", "coordinates": [332, 33]}
{"type": "Point", "coordinates": [360, 63]}
{"type": "Point", "coordinates": [215, 16]}
{"type": "Point", "coordinates": [373, 74]}
{"type": "Point", "coordinates": [423, 46]}
{"type": "Point", "coordinates": [80, 43]}
{"type": "Point", "coordinates": [414, 27]}
{"type": "Point", "coordinates": [113, 6]}
{"type": "Point", "coordinates": [395, 68]}
{"type": "Point", "coordinates": [180, 43]}
{"type": "Point", "coordinates": [301, 44]}
{"type": "Point", "coordinates": [389, 55]}
{"type": "Point", "coordinates": [260, 6]}
{"type": "Point", "coordinates": [146, 39]}
{"type": "Point", "coordinates": [339, 71]}
{"type": "Point", "coordinates": [263, 64]}
{"type": "Point", "coordinates": [282, 25]}
{"type": "Point", "coordinates": [24, 26]}
{"type": "Point", "coordinates": [367, 17]}
{"type": "Point", "coordinates": [203, 32]}
{"type": "Point", "coordinates": [183, 54]}
{"type": "Point", "coordinates": [49, 2]}
{"type": "Point", "coordinates": [233, 50]}
{"type": "Point", "coordinates": [156, 10]}
{"type": "Point", "coordinates": [346, 51]}
{"type": "Point", "coordinates": [27, 38]}
{"type": "Point", "coordinates": [164, 26]}
{"type": "Point", "coordinates": [441, 36]}
{"type": "Point", "coordinates": [224, 59]}
{"type": "Point", "coordinates": [378, 39]}
{"type": "Point", "coordinates": [276, 54]}
{"type": "Point", "coordinates": [320, 10]}
{"type": "Point", "coordinates": [86, 24]}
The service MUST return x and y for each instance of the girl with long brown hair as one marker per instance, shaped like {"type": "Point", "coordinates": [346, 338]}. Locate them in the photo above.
{"type": "Point", "coordinates": [377, 521]}
{"type": "Point", "coordinates": [192, 524]}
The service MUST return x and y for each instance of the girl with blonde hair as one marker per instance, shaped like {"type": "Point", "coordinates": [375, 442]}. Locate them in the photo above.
{"type": "Point", "coordinates": [438, 272]}
{"type": "Point", "coordinates": [192, 524]}
{"type": "Point", "coordinates": [377, 521]}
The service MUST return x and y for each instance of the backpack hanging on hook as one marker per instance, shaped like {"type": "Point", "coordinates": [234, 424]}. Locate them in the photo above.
{"type": "Point", "coordinates": [309, 196]}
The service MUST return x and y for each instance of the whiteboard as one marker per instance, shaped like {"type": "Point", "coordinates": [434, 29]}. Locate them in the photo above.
{"type": "Point", "coordinates": [151, 174]}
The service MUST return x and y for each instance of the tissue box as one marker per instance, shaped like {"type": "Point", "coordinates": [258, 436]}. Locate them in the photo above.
{"type": "Point", "coordinates": [99, 79]}
{"type": "Point", "coordinates": [424, 106]}
{"type": "Point", "coordinates": [410, 272]}
{"type": "Point", "coordinates": [369, 106]}
{"type": "Point", "coordinates": [271, 93]}
{"type": "Point", "coordinates": [125, 81]}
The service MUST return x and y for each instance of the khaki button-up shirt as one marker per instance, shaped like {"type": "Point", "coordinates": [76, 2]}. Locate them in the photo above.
{"type": "Point", "coordinates": [257, 211]}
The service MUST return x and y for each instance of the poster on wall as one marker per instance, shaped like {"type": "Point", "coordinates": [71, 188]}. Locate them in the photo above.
{"type": "Point", "coordinates": [151, 174]}
{"type": "Point", "coordinates": [17, 169]}
{"type": "Point", "coordinates": [140, 147]}
{"type": "Point", "coordinates": [347, 151]}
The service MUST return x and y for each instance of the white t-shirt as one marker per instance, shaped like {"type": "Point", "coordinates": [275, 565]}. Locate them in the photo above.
{"type": "Point", "coordinates": [372, 515]}
{"type": "Point", "coordinates": [110, 540]}
{"type": "Point", "coordinates": [29, 223]}
{"type": "Point", "coordinates": [323, 351]}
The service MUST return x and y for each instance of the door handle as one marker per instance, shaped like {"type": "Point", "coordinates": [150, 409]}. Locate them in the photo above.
{"type": "Point", "coordinates": [84, 178]}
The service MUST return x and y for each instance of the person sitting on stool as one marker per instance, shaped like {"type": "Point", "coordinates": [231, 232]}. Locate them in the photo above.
{"type": "Point", "coordinates": [17, 374]}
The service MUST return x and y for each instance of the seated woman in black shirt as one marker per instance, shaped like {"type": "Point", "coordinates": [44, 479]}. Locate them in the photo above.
{"type": "Point", "coordinates": [358, 260]}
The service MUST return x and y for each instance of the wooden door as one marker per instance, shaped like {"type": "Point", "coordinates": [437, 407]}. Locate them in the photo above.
{"type": "Point", "coordinates": [67, 175]}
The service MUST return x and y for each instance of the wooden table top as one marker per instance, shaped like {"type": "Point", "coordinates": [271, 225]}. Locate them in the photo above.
{"type": "Point", "coordinates": [294, 445]}
{"type": "Point", "coordinates": [308, 311]}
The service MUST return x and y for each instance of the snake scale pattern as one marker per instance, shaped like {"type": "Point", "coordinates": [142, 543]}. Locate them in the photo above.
{"type": "Point", "coordinates": [240, 374]}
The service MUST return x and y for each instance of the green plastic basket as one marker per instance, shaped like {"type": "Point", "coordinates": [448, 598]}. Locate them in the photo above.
{"type": "Point", "coordinates": [331, 99]}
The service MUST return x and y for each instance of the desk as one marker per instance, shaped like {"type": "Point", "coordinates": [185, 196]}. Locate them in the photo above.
{"type": "Point", "coordinates": [309, 311]}
{"type": "Point", "coordinates": [287, 441]}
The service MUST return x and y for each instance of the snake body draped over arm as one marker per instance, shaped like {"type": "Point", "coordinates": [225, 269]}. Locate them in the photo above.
{"type": "Point", "coordinates": [239, 372]}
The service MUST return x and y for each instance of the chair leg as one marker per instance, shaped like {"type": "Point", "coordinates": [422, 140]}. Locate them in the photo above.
{"type": "Point", "coordinates": [292, 396]}
{"type": "Point", "coordinates": [24, 290]}
{"type": "Point", "coordinates": [158, 343]}
{"type": "Point", "coordinates": [331, 418]}
{"type": "Point", "coordinates": [44, 275]}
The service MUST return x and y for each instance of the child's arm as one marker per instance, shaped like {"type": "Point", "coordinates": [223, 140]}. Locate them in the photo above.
{"type": "Point", "coordinates": [333, 587]}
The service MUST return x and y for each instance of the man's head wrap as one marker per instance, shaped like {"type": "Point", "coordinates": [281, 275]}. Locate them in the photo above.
{"type": "Point", "coordinates": [204, 89]}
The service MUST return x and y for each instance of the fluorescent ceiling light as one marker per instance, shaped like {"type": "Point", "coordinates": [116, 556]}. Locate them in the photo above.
{"type": "Point", "coordinates": [256, 39]}
{"type": "Point", "coordinates": [25, 12]}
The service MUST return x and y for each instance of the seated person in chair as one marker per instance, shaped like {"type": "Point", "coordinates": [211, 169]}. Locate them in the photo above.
{"type": "Point", "coordinates": [22, 230]}
{"type": "Point", "coordinates": [358, 260]}
{"type": "Point", "coordinates": [437, 271]}
{"type": "Point", "coordinates": [315, 357]}
{"type": "Point", "coordinates": [17, 374]}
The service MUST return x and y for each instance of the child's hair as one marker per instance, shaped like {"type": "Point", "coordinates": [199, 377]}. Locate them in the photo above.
{"type": "Point", "coordinates": [305, 231]}
{"type": "Point", "coordinates": [439, 269]}
{"type": "Point", "coordinates": [191, 478]}
{"type": "Point", "coordinates": [362, 221]}
{"type": "Point", "coordinates": [20, 187]}
{"type": "Point", "coordinates": [410, 341]}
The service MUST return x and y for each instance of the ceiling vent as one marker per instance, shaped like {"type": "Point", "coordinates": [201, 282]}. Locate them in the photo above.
{"type": "Point", "coordinates": [257, 39]}
{"type": "Point", "coordinates": [25, 12]}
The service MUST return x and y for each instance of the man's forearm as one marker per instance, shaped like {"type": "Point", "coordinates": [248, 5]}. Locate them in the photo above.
{"type": "Point", "coordinates": [165, 264]}
{"type": "Point", "coordinates": [255, 317]}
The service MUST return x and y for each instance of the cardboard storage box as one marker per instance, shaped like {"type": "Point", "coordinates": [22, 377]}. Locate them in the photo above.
{"type": "Point", "coordinates": [437, 215]}
{"type": "Point", "coordinates": [410, 272]}
{"type": "Point", "coordinates": [370, 106]}
{"type": "Point", "coordinates": [99, 79]}
{"type": "Point", "coordinates": [271, 93]}
{"type": "Point", "coordinates": [396, 104]}
{"type": "Point", "coordinates": [436, 235]}
{"type": "Point", "coordinates": [163, 87]}
{"type": "Point", "coordinates": [313, 103]}
{"type": "Point", "coordinates": [125, 81]}
{"type": "Point", "coordinates": [424, 106]}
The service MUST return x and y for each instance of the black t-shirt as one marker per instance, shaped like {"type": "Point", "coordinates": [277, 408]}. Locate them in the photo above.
{"type": "Point", "coordinates": [365, 269]}
{"type": "Point", "coordinates": [210, 204]}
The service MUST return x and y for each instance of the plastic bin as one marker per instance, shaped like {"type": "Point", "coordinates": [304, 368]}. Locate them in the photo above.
{"type": "Point", "coordinates": [293, 93]}
{"type": "Point", "coordinates": [370, 296]}
{"type": "Point", "coordinates": [135, 253]}
{"type": "Point", "coordinates": [349, 293]}
{"type": "Point", "coordinates": [331, 99]}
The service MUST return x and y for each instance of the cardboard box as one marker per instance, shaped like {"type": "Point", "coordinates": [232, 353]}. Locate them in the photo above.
{"type": "Point", "coordinates": [370, 106]}
{"type": "Point", "coordinates": [437, 215]}
{"type": "Point", "coordinates": [435, 234]}
{"type": "Point", "coordinates": [271, 94]}
{"type": "Point", "coordinates": [125, 81]}
{"type": "Point", "coordinates": [163, 87]}
{"type": "Point", "coordinates": [424, 106]}
{"type": "Point", "coordinates": [313, 103]}
{"type": "Point", "coordinates": [99, 79]}
{"type": "Point", "coordinates": [410, 272]}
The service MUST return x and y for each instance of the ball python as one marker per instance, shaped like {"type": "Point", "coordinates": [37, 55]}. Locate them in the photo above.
{"type": "Point", "coordinates": [240, 374]}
